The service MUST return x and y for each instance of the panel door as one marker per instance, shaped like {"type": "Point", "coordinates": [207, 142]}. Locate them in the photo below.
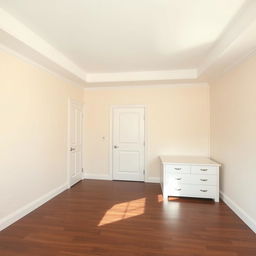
{"type": "Point", "coordinates": [128, 143]}
{"type": "Point", "coordinates": [75, 142]}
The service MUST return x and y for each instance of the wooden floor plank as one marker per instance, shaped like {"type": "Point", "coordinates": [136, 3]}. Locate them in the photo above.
{"type": "Point", "coordinates": [127, 218]}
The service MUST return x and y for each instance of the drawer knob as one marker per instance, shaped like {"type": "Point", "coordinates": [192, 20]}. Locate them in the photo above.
{"type": "Point", "coordinates": [178, 189]}
{"type": "Point", "coordinates": [178, 169]}
{"type": "Point", "coordinates": [203, 179]}
{"type": "Point", "coordinates": [203, 190]}
{"type": "Point", "coordinates": [204, 170]}
{"type": "Point", "coordinates": [178, 178]}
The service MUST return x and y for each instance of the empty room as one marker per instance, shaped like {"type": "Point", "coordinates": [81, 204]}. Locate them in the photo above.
{"type": "Point", "coordinates": [128, 127]}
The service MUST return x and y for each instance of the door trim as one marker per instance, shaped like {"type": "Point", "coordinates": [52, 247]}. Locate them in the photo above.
{"type": "Point", "coordinates": [70, 101]}
{"type": "Point", "coordinates": [111, 137]}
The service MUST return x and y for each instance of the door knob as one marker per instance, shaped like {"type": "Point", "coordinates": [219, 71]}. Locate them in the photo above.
{"type": "Point", "coordinates": [116, 146]}
{"type": "Point", "coordinates": [72, 149]}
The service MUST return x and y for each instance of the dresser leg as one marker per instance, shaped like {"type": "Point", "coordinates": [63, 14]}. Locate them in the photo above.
{"type": "Point", "coordinates": [165, 198]}
{"type": "Point", "coordinates": [217, 193]}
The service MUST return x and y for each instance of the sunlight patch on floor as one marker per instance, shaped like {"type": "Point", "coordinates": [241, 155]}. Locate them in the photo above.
{"type": "Point", "coordinates": [160, 198]}
{"type": "Point", "coordinates": [123, 211]}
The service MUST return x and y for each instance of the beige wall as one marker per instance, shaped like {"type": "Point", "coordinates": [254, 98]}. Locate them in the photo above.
{"type": "Point", "coordinates": [33, 132]}
{"type": "Point", "coordinates": [233, 134]}
{"type": "Point", "coordinates": [178, 123]}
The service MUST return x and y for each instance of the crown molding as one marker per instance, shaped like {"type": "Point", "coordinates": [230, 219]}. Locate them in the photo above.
{"type": "Point", "coordinates": [29, 61]}
{"type": "Point", "coordinates": [142, 76]}
{"type": "Point", "coordinates": [170, 85]}
{"type": "Point", "coordinates": [237, 41]}
{"type": "Point", "coordinates": [19, 38]}
{"type": "Point", "coordinates": [11, 27]}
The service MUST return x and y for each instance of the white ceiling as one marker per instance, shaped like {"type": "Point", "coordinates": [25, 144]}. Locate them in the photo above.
{"type": "Point", "coordinates": [132, 40]}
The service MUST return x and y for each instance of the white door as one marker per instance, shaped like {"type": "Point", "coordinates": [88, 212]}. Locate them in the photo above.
{"type": "Point", "coordinates": [128, 143]}
{"type": "Point", "coordinates": [75, 142]}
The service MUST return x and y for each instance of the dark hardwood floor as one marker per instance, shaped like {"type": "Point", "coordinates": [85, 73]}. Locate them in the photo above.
{"type": "Point", "coordinates": [127, 218]}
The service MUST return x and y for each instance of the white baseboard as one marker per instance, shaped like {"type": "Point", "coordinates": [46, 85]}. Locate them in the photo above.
{"type": "Point", "coordinates": [93, 176]}
{"type": "Point", "coordinates": [248, 220]}
{"type": "Point", "coordinates": [153, 179]}
{"type": "Point", "coordinates": [20, 213]}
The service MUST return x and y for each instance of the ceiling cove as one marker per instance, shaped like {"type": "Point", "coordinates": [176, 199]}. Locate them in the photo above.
{"type": "Point", "coordinates": [114, 49]}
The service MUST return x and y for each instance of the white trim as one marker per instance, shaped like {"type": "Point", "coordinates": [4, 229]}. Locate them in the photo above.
{"type": "Point", "coordinates": [94, 176]}
{"type": "Point", "coordinates": [248, 220]}
{"type": "Point", "coordinates": [111, 136]}
{"type": "Point", "coordinates": [146, 138]}
{"type": "Point", "coordinates": [142, 76]}
{"type": "Point", "coordinates": [134, 86]}
{"type": "Point", "coordinates": [68, 143]}
{"type": "Point", "coordinates": [237, 62]}
{"type": "Point", "coordinates": [20, 213]}
{"type": "Point", "coordinates": [83, 135]}
{"type": "Point", "coordinates": [111, 143]}
{"type": "Point", "coordinates": [153, 180]}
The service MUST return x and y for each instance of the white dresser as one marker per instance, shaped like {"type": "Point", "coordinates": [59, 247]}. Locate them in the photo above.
{"type": "Point", "coordinates": [189, 177]}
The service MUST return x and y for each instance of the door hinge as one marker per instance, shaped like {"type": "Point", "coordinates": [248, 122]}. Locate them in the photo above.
{"type": "Point", "coordinates": [144, 143]}
{"type": "Point", "coordinates": [82, 169]}
{"type": "Point", "coordinates": [144, 171]}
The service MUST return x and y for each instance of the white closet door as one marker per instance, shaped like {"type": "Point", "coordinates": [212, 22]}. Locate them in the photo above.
{"type": "Point", "coordinates": [128, 143]}
{"type": "Point", "coordinates": [75, 142]}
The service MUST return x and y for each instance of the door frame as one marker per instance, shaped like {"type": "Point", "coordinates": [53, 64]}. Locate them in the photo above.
{"type": "Point", "coordinates": [70, 101]}
{"type": "Point", "coordinates": [112, 108]}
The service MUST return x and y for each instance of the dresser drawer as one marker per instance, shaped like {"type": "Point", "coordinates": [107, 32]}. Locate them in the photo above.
{"type": "Point", "coordinates": [197, 179]}
{"type": "Point", "coordinates": [192, 191]}
{"type": "Point", "coordinates": [176, 169]}
{"type": "Point", "coordinates": [177, 178]}
{"type": "Point", "coordinates": [205, 170]}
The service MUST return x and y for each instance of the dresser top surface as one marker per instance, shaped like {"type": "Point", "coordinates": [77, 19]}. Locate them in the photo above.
{"type": "Point", "coordinates": [193, 160]}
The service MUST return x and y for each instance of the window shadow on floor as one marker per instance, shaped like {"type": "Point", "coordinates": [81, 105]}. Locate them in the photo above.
{"type": "Point", "coordinates": [126, 218]}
